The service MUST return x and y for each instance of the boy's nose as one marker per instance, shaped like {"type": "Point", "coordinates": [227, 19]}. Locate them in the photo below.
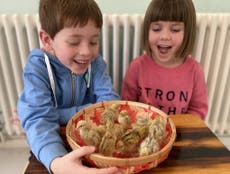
{"type": "Point", "coordinates": [84, 49]}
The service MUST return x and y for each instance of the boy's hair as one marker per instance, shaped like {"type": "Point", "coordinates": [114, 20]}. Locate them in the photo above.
{"type": "Point", "coordinates": [172, 10]}
{"type": "Point", "coordinates": [56, 14]}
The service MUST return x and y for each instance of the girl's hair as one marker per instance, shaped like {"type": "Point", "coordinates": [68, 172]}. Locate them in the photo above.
{"type": "Point", "coordinates": [172, 10]}
{"type": "Point", "coordinates": [56, 14]}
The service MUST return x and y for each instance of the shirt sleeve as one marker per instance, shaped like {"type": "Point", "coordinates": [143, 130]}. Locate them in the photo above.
{"type": "Point", "coordinates": [199, 100]}
{"type": "Point", "coordinates": [39, 117]}
{"type": "Point", "coordinates": [102, 83]}
{"type": "Point", "coordinates": [130, 83]}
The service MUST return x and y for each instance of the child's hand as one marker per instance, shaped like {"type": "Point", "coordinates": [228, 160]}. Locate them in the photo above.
{"type": "Point", "coordinates": [71, 163]}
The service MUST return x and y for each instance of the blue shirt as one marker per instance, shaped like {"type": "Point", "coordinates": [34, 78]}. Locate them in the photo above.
{"type": "Point", "coordinates": [39, 116]}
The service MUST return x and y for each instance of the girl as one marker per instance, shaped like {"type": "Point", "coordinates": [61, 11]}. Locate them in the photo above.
{"type": "Point", "coordinates": [167, 76]}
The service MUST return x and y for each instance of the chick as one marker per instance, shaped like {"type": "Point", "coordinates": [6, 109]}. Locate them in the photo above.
{"type": "Point", "coordinates": [148, 146]}
{"type": "Point", "coordinates": [83, 127]}
{"type": "Point", "coordinates": [90, 135]}
{"type": "Point", "coordinates": [110, 115]}
{"type": "Point", "coordinates": [93, 138]}
{"type": "Point", "coordinates": [101, 129]}
{"type": "Point", "coordinates": [118, 130]}
{"type": "Point", "coordinates": [155, 137]}
{"type": "Point", "coordinates": [107, 145]}
{"type": "Point", "coordinates": [130, 140]}
{"type": "Point", "coordinates": [157, 129]}
{"type": "Point", "coordinates": [124, 118]}
{"type": "Point", "coordinates": [142, 119]}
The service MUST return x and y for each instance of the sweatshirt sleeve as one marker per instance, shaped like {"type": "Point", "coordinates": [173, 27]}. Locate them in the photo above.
{"type": "Point", "coordinates": [102, 84]}
{"type": "Point", "coordinates": [39, 117]}
{"type": "Point", "coordinates": [199, 101]}
{"type": "Point", "coordinates": [130, 83]}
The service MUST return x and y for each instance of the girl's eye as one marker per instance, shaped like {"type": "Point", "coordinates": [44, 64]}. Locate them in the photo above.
{"type": "Point", "coordinates": [156, 28]}
{"type": "Point", "coordinates": [176, 30]}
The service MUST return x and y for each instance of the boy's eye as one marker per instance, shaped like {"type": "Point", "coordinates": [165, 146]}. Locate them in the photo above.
{"type": "Point", "coordinates": [73, 43]}
{"type": "Point", "coordinates": [76, 43]}
{"type": "Point", "coordinates": [94, 43]}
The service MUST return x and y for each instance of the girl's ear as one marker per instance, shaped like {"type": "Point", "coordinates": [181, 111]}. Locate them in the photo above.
{"type": "Point", "coordinates": [46, 40]}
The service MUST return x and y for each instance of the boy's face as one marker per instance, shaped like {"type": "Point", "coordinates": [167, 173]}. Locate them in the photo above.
{"type": "Point", "coordinates": [165, 38]}
{"type": "Point", "coordinates": [76, 47]}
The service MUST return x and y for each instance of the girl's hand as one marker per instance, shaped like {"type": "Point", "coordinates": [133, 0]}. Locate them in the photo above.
{"type": "Point", "coordinates": [72, 164]}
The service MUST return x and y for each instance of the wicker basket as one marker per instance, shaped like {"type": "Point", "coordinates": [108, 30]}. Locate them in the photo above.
{"type": "Point", "coordinates": [127, 165]}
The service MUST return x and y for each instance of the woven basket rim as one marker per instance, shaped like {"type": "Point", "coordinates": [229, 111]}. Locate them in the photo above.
{"type": "Point", "coordinates": [123, 102]}
{"type": "Point", "coordinates": [111, 161]}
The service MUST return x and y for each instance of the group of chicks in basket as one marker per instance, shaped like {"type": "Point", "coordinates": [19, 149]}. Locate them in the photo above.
{"type": "Point", "coordinates": [118, 134]}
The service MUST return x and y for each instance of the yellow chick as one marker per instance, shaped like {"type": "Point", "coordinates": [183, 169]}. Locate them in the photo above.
{"type": "Point", "coordinates": [93, 137]}
{"type": "Point", "coordinates": [148, 146]}
{"type": "Point", "coordinates": [130, 140]}
{"type": "Point", "coordinates": [90, 135]}
{"type": "Point", "coordinates": [107, 144]}
{"type": "Point", "coordinates": [83, 127]}
{"type": "Point", "coordinates": [124, 118]}
{"type": "Point", "coordinates": [155, 137]}
{"type": "Point", "coordinates": [111, 114]}
{"type": "Point", "coordinates": [157, 129]}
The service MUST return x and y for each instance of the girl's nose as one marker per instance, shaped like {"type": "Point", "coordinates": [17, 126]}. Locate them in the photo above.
{"type": "Point", "coordinates": [165, 35]}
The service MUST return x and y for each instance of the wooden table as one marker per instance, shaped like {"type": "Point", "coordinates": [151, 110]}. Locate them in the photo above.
{"type": "Point", "coordinates": [196, 151]}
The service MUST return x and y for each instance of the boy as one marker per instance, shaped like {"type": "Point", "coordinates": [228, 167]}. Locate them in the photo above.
{"type": "Point", "coordinates": [64, 76]}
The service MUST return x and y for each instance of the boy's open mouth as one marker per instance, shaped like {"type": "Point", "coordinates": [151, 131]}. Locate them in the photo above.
{"type": "Point", "coordinates": [81, 61]}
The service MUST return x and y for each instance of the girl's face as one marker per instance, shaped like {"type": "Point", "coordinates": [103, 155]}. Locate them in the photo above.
{"type": "Point", "coordinates": [165, 38]}
{"type": "Point", "coordinates": [76, 47]}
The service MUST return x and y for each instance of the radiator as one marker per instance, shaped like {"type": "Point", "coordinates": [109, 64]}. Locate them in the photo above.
{"type": "Point", "coordinates": [120, 43]}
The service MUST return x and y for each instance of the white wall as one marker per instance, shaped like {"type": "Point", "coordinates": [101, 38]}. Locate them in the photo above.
{"type": "Point", "coordinates": [19, 6]}
{"type": "Point", "coordinates": [139, 6]}
{"type": "Point", "coordinates": [116, 6]}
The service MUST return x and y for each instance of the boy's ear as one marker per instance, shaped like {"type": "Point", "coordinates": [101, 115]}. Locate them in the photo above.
{"type": "Point", "coordinates": [45, 39]}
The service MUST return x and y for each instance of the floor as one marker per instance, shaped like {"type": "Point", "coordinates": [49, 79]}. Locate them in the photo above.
{"type": "Point", "coordinates": [14, 155]}
{"type": "Point", "coordinates": [226, 141]}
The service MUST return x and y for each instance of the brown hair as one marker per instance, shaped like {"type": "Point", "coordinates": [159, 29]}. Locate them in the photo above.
{"type": "Point", "coordinates": [56, 14]}
{"type": "Point", "coordinates": [172, 10]}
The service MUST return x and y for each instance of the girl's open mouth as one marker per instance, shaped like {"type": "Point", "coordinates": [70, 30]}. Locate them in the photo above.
{"type": "Point", "coordinates": [164, 49]}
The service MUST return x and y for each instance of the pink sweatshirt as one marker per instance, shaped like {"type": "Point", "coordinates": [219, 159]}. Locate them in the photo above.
{"type": "Point", "coordinates": [175, 91]}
